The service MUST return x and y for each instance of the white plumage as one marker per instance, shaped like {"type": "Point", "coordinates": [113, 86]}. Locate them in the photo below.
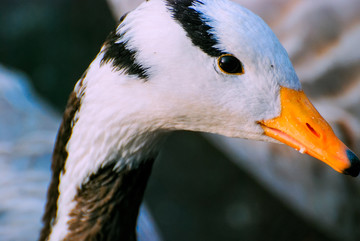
{"type": "Point", "coordinates": [124, 118]}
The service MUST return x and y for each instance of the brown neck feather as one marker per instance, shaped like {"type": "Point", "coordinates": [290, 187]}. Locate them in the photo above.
{"type": "Point", "coordinates": [58, 163]}
{"type": "Point", "coordinates": [108, 204]}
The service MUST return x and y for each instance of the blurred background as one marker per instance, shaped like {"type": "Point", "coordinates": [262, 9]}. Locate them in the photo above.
{"type": "Point", "coordinates": [203, 187]}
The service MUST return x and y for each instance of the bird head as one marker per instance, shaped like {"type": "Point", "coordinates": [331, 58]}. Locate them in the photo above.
{"type": "Point", "coordinates": [211, 66]}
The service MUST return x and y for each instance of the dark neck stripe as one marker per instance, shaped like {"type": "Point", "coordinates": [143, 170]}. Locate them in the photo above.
{"type": "Point", "coordinates": [121, 57]}
{"type": "Point", "coordinates": [107, 205]}
{"type": "Point", "coordinates": [60, 155]}
{"type": "Point", "coordinates": [194, 25]}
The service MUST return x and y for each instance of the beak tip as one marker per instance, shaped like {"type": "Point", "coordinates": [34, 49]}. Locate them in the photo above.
{"type": "Point", "coordinates": [354, 169]}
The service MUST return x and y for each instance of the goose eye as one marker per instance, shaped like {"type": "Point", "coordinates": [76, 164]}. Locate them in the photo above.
{"type": "Point", "coordinates": [230, 65]}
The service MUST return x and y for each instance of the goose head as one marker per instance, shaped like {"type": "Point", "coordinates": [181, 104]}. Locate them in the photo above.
{"type": "Point", "coordinates": [212, 66]}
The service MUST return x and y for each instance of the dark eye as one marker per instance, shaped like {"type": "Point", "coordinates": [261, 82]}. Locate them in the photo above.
{"type": "Point", "coordinates": [230, 64]}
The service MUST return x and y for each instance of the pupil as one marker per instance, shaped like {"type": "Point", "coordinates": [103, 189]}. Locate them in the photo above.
{"type": "Point", "coordinates": [230, 64]}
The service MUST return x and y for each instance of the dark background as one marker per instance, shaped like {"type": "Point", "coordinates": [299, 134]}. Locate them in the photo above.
{"type": "Point", "coordinates": [195, 192]}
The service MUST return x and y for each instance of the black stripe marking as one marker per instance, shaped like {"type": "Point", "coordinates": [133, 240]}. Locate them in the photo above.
{"type": "Point", "coordinates": [108, 204]}
{"type": "Point", "coordinates": [121, 57]}
{"type": "Point", "coordinates": [58, 163]}
{"type": "Point", "coordinates": [194, 25]}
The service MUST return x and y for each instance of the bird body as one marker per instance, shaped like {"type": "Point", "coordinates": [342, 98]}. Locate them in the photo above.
{"type": "Point", "coordinates": [210, 66]}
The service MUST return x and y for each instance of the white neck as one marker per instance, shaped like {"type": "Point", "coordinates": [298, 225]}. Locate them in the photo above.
{"type": "Point", "coordinates": [100, 137]}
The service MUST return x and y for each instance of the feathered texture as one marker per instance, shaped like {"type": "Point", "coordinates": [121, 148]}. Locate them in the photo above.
{"type": "Point", "coordinates": [121, 57]}
{"type": "Point", "coordinates": [195, 26]}
{"type": "Point", "coordinates": [108, 204]}
{"type": "Point", "coordinates": [58, 164]}
{"type": "Point", "coordinates": [26, 146]}
{"type": "Point", "coordinates": [123, 119]}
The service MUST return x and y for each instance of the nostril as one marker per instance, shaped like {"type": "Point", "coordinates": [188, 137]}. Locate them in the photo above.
{"type": "Point", "coordinates": [312, 130]}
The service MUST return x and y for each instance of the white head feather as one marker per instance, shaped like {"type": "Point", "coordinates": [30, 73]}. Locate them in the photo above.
{"type": "Point", "coordinates": [186, 89]}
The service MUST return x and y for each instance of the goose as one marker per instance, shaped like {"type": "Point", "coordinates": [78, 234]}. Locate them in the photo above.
{"type": "Point", "coordinates": [197, 65]}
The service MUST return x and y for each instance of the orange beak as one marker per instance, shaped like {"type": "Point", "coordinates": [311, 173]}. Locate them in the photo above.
{"type": "Point", "coordinates": [303, 128]}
